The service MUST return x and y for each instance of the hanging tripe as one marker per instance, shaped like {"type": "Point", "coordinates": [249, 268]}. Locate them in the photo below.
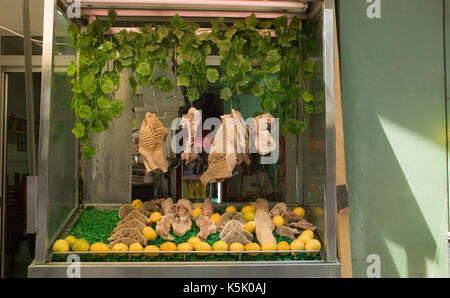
{"type": "Point", "coordinates": [151, 142]}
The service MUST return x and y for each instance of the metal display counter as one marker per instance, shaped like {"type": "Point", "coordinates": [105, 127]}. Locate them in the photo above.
{"type": "Point", "coordinates": [56, 192]}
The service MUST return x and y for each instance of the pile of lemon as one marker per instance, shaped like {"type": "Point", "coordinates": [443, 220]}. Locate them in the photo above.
{"type": "Point", "coordinates": [71, 243]}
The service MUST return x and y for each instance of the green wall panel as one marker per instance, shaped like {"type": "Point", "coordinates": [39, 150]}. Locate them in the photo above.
{"type": "Point", "coordinates": [393, 86]}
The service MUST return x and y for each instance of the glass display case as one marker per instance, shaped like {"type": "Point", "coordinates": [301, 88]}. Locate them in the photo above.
{"type": "Point", "coordinates": [68, 186]}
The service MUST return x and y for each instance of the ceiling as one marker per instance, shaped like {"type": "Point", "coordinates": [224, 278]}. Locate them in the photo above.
{"type": "Point", "coordinates": [11, 16]}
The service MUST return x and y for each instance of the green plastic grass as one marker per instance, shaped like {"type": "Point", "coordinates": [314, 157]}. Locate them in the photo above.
{"type": "Point", "coordinates": [95, 225]}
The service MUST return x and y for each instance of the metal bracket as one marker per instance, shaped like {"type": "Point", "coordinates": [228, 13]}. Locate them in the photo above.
{"type": "Point", "coordinates": [32, 184]}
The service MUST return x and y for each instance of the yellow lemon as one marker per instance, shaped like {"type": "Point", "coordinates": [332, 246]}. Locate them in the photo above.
{"type": "Point", "coordinates": [299, 211]}
{"type": "Point", "coordinates": [317, 212]}
{"type": "Point", "coordinates": [248, 208]}
{"type": "Point", "coordinates": [185, 246]}
{"type": "Point", "coordinates": [250, 226]}
{"type": "Point", "coordinates": [278, 220]}
{"type": "Point", "coordinates": [304, 238]}
{"type": "Point", "coordinates": [155, 216]}
{"type": "Point", "coordinates": [236, 246]}
{"type": "Point", "coordinates": [137, 203]}
{"type": "Point", "coordinates": [313, 244]}
{"type": "Point", "coordinates": [194, 240]}
{"type": "Point", "coordinates": [120, 247]}
{"type": "Point", "coordinates": [249, 216]}
{"type": "Point", "coordinates": [269, 246]}
{"type": "Point", "coordinates": [81, 245]}
{"type": "Point", "coordinates": [70, 240]}
{"type": "Point", "coordinates": [253, 246]}
{"type": "Point", "coordinates": [196, 212]}
{"type": "Point", "coordinates": [215, 217]}
{"type": "Point", "coordinates": [61, 245]}
{"type": "Point", "coordinates": [308, 233]}
{"type": "Point", "coordinates": [297, 245]}
{"type": "Point", "coordinates": [168, 246]}
{"type": "Point", "coordinates": [203, 246]}
{"type": "Point", "coordinates": [149, 233]}
{"type": "Point", "coordinates": [220, 246]}
{"type": "Point", "coordinates": [136, 247]}
{"type": "Point", "coordinates": [230, 209]}
{"type": "Point", "coordinates": [151, 248]}
{"type": "Point", "coordinates": [283, 245]}
{"type": "Point", "coordinates": [99, 246]}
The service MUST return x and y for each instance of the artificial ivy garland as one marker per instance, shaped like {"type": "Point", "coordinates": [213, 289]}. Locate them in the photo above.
{"type": "Point", "coordinates": [252, 61]}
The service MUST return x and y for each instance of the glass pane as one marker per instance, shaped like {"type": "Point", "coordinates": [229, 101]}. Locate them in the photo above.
{"type": "Point", "coordinates": [62, 174]}
{"type": "Point", "coordinates": [315, 138]}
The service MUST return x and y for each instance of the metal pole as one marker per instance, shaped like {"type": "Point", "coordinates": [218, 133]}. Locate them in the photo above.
{"type": "Point", "coordinates": [31, 141]}
{"type": "Point", "coordinates": [44, 133]}
{"type": "Point", "coordinates": [330, 114]}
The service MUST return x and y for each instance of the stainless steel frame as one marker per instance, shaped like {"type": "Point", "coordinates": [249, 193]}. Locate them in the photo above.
{"type": "Point", "coordinates": [328, 267]}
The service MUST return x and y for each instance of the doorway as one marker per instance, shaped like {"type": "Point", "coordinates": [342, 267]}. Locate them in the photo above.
{"type": "Point", "coordinates": [17, 245]}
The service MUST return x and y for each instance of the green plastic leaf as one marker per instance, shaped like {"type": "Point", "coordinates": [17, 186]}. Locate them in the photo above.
{"type": "Point", "coordinates": [212, 75]}
{"type": "Point", "coordinates": [192, 94]}
{"type": "Point", "coordinates": [107, 46]}
{"type": "Point", "coordinates": [89, 151]}
{"type": "Point", "coordinates": [251, 20]}
{"type": "Point", "coordinates": [177, 22]}
{"type": "Point", "coordinates": [117, 107]}
{"type": "Point", "coordinates": [258, 89]}
{"type": "Point", "coordinates": [103, 102]}
{"type": "Point", "coordinates": [89, 85]}
{"type": "Point", "coordinates": [274, 85]}
{"type": "Point", "coordinates": [280, 21]}
{"type": "Point", "coordinates": [78, 130]}
{"type": "Point", "coordinates": [183, 81]}
{"type": "Point", "coordinates": [144, 69]}
{"type": "Point", "coordinates": [225, 94]}
{"type": "Point", "coordinates": [163, 84]}
{"type": "Point", "coordinates": [107, 86]}
{"type": "Point", "coordinates": [307, 96]}
{"type": "Point", "coordinates": [84, 111]}
{"type": "Point", "coordinates": [295, 126]}
{"type": "Point", "coordinates": [72, 69]}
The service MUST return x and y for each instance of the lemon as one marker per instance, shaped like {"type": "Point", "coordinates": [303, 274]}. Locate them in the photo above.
{"type": "Point", "coordinates": [230, 209]}
{"type": "Point", "coordinates": [151, 248]}
{"type": "Point", "coordinates": [70, 240]}
{"type": "Point", "coordinates": [194, 240]}
{"type": "Point", "coordinates": [308, 233]}
{"type": "Point", "coordinates": [220, 246]}
{"type": "Point", "coordinates": [81, 245]}
{"type": "Point", "coordinates": [168, 246]}
{"type": "Point", "coordinates": [215, 217]}
{"type": "Point", "coordinates": [250, 226]}
{"type": "Point", "coordinates": [61, 245]}
{"type": "Point", "coordinates": [253, 246]}
{"type": "Point", "coordinates": [136, 247]}
{"type": "Point", "coordinates": [185, 246]}
{"type": "Point", "coordinates": [236, 246]}
{"type": "Point", "coordinates": [299, 211]}
{"type": "Point", "coordinates": [317, 212]}
{"type": "Point", "coordinates": [283, 245]}
{"type": "Point", "coordinates": [203, 246]}
{"type": "Point", "coordinates": [149, 233]}
{"type": "Point", "coordinates": [155, 216]}
{"type": "Point", "coordinates": [137, 203]}
{"type": "Point", "coordinates": [278, 220]}
{"type": "Point", "coordinates": [313, 244]}
{"type": "Point", "coordinates": [304, 238]}
{"type": "Point", "coordinates": [120, 247]}
{"type": "Point", "coordinates": [196, 212]}
{"type": "Point", "coordinates": [269, 246]}
{"type": "Point", "coordinates": [248, 208]}
{"type": "Point", "coordinates": [249, 216]}
{"type": "Point", "coordinates": [297, 245]}
{"type": "Point", "coordinates": [99, 246]}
